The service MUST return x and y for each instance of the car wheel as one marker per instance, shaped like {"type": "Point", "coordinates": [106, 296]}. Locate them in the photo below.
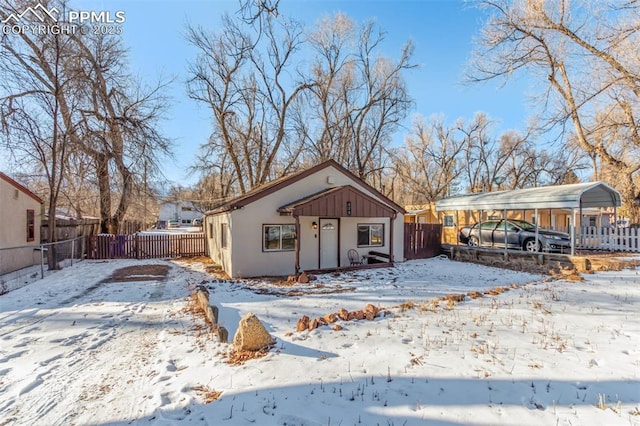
{"type": "Point", "coordinates": [531, 245]}
{"type": "Point", "coordinates": [473, 241]}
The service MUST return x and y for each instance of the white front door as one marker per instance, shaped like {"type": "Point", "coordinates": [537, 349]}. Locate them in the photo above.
{"type": "Point", "coordinates": [328, 243]}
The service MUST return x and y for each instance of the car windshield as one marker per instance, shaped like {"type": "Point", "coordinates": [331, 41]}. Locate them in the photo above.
{"type": "Point", "coordinates": [524, 225]}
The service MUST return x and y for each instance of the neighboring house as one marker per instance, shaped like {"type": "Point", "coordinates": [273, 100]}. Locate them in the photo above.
{"type": "Point", "coordinates": [20, 218]}
{"type": "Point", "coordinates": [182, 211]}
{"type": "Point", "coordinates": [306, 221]}
{"type": "Point", "coordinates": [423, 213]}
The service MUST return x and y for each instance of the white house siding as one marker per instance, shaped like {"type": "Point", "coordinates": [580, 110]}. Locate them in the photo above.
{"type": "Point", "coordinates": [183, 211]}
{"type": "Point", "coordinates": [213, 226]}
{"type": "Point", "coordinates": [14, 204]}
{"type": "Point", "coordinates": [248, 258]}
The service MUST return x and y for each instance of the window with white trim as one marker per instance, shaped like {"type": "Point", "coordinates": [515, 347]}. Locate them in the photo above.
{"type": "Point", "coordinates": [370, 235]}
{"type": "Point", "coordinates": [448, 221]}
{"type": "Point", "coordinates": [278, 237]}
{"type": "Point", "coordinates": [224, 231]}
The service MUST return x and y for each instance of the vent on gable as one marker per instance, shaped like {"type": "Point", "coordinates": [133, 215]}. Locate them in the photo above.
{"type": "Point", "coordinates": [16, 194]}
{"type": "Point", "coordinates": [331, 180]}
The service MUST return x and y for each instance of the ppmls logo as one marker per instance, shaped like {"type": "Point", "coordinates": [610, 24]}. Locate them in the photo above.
{"type": "Point", "coordinates": [40, 20]}
{"type": "Point", "coordinates": [39, 12]}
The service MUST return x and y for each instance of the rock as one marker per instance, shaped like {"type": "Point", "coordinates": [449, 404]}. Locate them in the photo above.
{"type": "Point", "coordinates": [291, 279]}
{"type": "Point", "coordinates": [337, 327]}
{"type": "Point", "coordinates": [251, 334]}
{"type": "Point", "coordinates": [331, 318]}
{"type": "Point", "coordinates": [211, 315]}
{"type": "Point", "coordinates": [303, 323]}
{"type": "Point", "coordinates": [303, 278]}
{"type": "Point", "coordinates": [223, 334]}
{"type": "Point", "coordinates": [371, 310]}
{"type": "Point", "coordinates": [203, 298]}
{"type": "Point", "coordinates": [313, 324]}
{"type": "Point", "coordinates": [343, 314]}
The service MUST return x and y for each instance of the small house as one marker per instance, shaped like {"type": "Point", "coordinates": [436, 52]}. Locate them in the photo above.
{"type": "Point", "coordinates": [20, 218]}
{"type": "Point", "coordinates": [184, 212]}
{"type": "Point", "coordinates": [322, 218]}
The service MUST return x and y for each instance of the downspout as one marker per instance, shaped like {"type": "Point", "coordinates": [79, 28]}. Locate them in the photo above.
{"type": "Point", "coordinates": [391, 220]}
{"type": "Point", "coordinates": [297, 244]}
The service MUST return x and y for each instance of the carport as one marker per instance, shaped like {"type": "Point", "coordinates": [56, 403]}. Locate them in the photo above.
{"type": "Point", "coordinates": [574, 197]}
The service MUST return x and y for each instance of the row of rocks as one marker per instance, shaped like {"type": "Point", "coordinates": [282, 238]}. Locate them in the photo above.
{"type": "Point", "coordinates": [210, 314]}
{"type": "Point", "coordinates": [251, 334]}
{"type": "Point", "coordinates": [369, 313]}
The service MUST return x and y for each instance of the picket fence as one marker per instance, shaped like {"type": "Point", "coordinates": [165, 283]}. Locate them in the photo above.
{"type": "Point", "coordinates": [612, 239]}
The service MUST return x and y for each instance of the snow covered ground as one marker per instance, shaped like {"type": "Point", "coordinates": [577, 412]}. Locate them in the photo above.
{"type": "Point", "coordinates": [80, 347]}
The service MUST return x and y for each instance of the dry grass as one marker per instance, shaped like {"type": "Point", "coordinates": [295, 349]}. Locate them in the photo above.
{"type": "Point", "coordinates": [239, 357]}
{"type": "Point", "coordinates": [206, 394]}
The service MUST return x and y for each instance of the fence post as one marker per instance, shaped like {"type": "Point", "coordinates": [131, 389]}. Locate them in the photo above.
{"type": "Point", "coordinates": [41, 261]}
{"type": "Point", "coordinates": [73, 250]}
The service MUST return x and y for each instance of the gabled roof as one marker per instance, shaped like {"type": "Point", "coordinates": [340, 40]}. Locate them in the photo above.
{"type": "Point", "coordinates": [20, 187]}
{"type": "Point", "coordinates": [590, 194]}
{"type": "Point", "coordinates": [278, 184]}
{"type": "Point", "coordinates": [332, 203]}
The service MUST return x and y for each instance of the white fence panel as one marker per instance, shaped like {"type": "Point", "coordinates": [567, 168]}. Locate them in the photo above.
{"type": "Point", "coordinates": [612, 239]}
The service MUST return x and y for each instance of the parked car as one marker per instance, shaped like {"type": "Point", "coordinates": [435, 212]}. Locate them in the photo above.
{"type": "Point", "coordinates": [196, 222]}
{"type": "Point", "coordinates": [173, 224]}
{"type": "Point", "coordinates": [520, 235]}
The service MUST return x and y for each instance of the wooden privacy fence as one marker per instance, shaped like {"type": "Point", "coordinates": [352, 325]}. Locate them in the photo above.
{"type": "Point", "coordinates": [145, 246]}
{"type": "Point", "coordinates": [612, 239]}
{"type": "Point", "coordinates": [422, 240]}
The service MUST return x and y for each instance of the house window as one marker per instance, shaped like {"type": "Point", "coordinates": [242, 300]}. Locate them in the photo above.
{"type": "Point", "coordinates": [187, 209]}
{"type": "Point", "coordinates": [210, 230]}
{"type": "Point", "coordinates": [370, 235]}
{"type": "Point", "coordinates": [31, 225]}
{"type": "Point", "coordinates": [278, 237]}
{"type": "Point", "coordinates": [224, 228]}
{"type": "Point", "coordinates": [448, 221]}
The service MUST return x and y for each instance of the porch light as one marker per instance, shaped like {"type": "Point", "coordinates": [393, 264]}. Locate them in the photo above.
{"type": "Point", "coordinates": [314, 225]}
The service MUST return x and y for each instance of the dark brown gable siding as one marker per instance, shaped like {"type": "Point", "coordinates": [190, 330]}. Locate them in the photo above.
{"type": "Point", "coordinates": [334, 204]}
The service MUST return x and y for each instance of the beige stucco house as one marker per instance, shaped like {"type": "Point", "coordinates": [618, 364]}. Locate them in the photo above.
{"type": "Point", "coordinates": [20, 218]}
{"type": "Point", "coordinates": [304, 222]}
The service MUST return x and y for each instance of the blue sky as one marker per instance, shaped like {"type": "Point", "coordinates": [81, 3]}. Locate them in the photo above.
{"type": "Point", "coordinates": [442, 31]}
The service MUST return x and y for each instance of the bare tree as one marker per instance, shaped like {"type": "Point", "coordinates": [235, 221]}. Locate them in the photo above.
{"type": "Point", "coordinates": [358, 96]}
{"type": "Point", "coordinates": [431, 164]}
{"type": "Point", "coordinates": [586, 59]}
{"type": "Point", "coordinates": [96, 109]}
{"type": "Point", "coordinates": [246, 75]}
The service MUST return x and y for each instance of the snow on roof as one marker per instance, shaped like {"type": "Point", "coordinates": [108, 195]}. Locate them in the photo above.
{"type": "Point", "coordinates": [590, 194]}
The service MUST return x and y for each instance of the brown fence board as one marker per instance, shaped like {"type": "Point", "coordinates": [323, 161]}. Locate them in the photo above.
{"type": "Point", "coordinates": [145, 246]}
{"type": "Point", "coordinates": [422, 240]}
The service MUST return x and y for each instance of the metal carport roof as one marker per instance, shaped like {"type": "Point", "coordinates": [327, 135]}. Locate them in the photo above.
{"type": "Point", "coordinates": [574, 196]}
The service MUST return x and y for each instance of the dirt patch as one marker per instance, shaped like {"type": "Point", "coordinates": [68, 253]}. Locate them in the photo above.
{"type": "Point", "coordinates": [139, 273]}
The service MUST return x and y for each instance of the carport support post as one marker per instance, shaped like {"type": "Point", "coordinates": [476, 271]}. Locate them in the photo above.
{"type": "Point", "coordinates": [573, 231]}
{"type": "Point", "coordinates": [457, 227]}
{"type": "Point", "coordinates": [504, 218]}
{"type": "Point", "coordinates": [479, 230]}
{"type": "Point", "coordinates": [535, 212]}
